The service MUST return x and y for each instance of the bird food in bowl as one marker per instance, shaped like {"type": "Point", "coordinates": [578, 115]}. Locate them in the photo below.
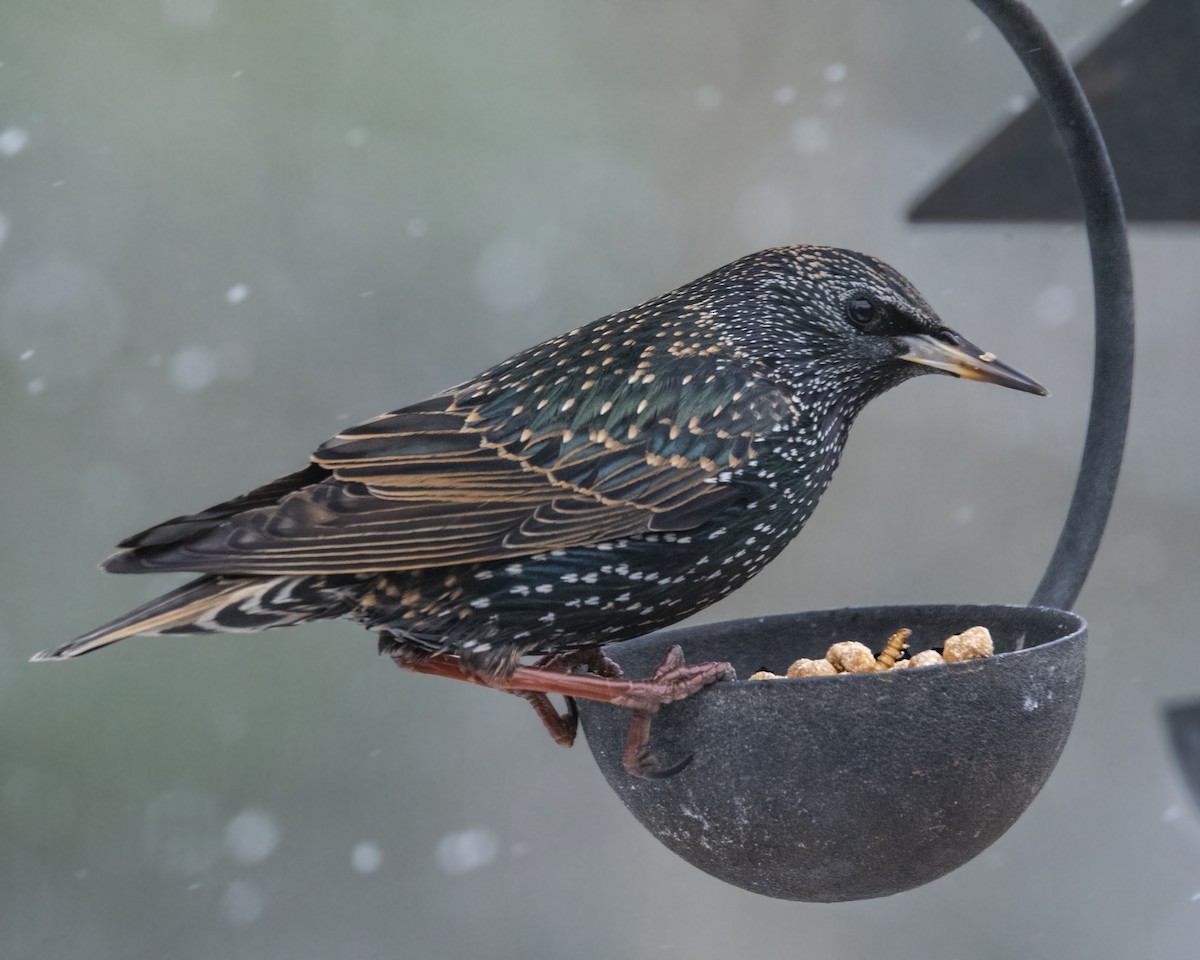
{"type": "Point", "coordinates": [851, 656]}
{"type": "Point", "coordinates": [863, 785]}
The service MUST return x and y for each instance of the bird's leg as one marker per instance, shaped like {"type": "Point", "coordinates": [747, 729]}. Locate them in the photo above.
{"type": "Point", "coordinates": [562, 727]}
{"type": "Point", "coordinates": [673, 680]}
{"type": "Point", "coordinates": [592, 658]}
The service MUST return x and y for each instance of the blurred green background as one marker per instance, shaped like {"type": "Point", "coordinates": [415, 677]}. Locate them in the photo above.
{"type": "Point", "coordinates": [228, 229]}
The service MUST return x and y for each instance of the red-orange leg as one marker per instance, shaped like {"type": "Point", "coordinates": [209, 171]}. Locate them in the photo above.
{"type": "Point", "coordinates": [673, 680]}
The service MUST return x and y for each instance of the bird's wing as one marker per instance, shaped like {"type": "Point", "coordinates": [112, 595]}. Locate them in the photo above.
{"type": "Point", "coordinates": [269, 494]}
{"type": "Point", "coordinates": [491, 472]}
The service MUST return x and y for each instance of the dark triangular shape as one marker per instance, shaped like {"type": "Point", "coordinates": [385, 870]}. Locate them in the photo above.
{"type": "Point", "coordinates": [1143, 81]}
{"type": "Point", "coordinates": [1183, 723]}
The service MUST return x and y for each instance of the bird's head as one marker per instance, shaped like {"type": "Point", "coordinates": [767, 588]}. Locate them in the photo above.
{"type": "Point", "coordinates": [848, 324]}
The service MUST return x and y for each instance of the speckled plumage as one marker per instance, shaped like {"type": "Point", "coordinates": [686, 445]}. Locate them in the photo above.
{"type": "Point", "coordinates": [599, 485]}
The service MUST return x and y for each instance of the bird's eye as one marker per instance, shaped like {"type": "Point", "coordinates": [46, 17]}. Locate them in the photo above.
{"type": "Point", "coordinates": [862, 311]}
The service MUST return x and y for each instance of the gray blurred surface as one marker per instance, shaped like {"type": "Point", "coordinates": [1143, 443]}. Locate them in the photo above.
{"type": "Point", "coordinates": [228, 229]}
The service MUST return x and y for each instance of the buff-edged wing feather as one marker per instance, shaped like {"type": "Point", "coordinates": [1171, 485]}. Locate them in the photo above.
{"type": "Point", "coordinates": [490, 472]}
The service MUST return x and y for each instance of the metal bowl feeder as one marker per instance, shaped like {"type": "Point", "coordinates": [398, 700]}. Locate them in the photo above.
{"type": "Point", "coordinates": [866, 785]}
{"type": "Point", "coordinates": [856, 786]}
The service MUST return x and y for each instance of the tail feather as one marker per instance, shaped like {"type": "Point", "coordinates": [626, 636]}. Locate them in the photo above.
{"type": "Point", "coordinates": [216, 604]}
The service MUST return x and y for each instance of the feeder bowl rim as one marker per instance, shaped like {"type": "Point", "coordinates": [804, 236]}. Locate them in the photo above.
{"type": "Point", "coordinates": [1077, 624]}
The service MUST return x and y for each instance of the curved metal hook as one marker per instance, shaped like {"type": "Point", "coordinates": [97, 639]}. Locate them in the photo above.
{"type": "Point", "coordinates": [1112, 280]}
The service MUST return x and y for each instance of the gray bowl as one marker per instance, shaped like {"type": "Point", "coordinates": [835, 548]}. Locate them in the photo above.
{"type": "Point", "coordinates": [850, 787]}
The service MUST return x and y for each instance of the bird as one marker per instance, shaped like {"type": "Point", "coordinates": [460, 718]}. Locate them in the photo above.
{"type": "Point", "coordinates": [595, 487]}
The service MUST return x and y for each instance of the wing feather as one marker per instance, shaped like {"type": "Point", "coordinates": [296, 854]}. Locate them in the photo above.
{"type": "Point", "coordinates": [465, 478]}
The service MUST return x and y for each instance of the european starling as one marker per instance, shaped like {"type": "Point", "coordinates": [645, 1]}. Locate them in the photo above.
{"type": "Point", "coordinates": [600, 485]}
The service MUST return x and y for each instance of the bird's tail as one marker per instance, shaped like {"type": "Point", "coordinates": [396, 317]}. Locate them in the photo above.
{"type": "Point", "coordinates": [216, 604]}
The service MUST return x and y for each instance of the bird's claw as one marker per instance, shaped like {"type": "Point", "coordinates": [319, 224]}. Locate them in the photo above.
{"type": "Point", "coordinates": [673, 680]}
{"type": "Point", "coordinates": [639, 760]}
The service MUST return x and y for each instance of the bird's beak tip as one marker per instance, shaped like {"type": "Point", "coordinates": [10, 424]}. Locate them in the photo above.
{"type": "Point", "coordinates": [959, 357]}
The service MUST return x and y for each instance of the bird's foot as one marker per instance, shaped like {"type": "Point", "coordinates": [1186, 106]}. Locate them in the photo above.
{"type": "Point", "coordinates": [673, 680]}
